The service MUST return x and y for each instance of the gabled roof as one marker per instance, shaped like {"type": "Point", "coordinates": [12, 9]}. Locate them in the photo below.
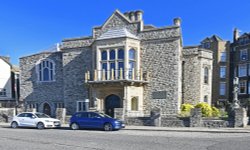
{"type": "Point", "coordinates": [211, 39]}
{"type": "Point", "coordinates": [245, 35]}
{"type": "Point", "coordinates": [118, 13]}
{"type": "Point", "coordinates": [5, 59]}
{"type": "Point", "coordinates": [116, 33]}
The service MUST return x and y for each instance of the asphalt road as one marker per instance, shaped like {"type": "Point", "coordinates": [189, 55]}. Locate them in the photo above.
{"type": "Point", "coordinates": [65, 139]}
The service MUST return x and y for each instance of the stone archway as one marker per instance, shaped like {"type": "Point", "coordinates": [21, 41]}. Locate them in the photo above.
{"type": "Point", "coordinates": [112, 102]}
{"type": "Point", "coordinates": [47, 109]}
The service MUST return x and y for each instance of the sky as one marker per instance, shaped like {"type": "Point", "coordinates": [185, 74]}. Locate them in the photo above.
{"type": "Point", "coordinates": [31, 26]}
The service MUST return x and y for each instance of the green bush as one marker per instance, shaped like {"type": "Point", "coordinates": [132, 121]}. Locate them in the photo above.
{"type": "Point", "coordinates": [206, 109]}
{"type": "Point", "coordinates": [186, 109]}
{"type": "Point", "coordinates": [216, 112]}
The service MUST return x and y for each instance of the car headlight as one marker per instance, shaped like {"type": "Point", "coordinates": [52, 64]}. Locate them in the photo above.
{"type": "Point", "coordinates": [117, 122]}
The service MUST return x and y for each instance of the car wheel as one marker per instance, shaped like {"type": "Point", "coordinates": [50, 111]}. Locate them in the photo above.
{"type": "Point", "coordinates": [14, 125]}
{"type": "Point", "coordinates": [40, 125]}
{"type": "Point", "coordinates": [108, 127]}
{"type": "Point", "coordinates": [74, 126]}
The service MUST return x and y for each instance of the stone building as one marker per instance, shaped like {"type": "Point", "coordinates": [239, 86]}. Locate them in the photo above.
{"type": "Point", "coordinates": [124, 64]}
{"type": "Point", "coordinates": [197, 75]}
{"type": "Point", "coordinates": [240, 66]}
{"type": "Point", "coordinates": [9, 83]}
{"type": "Point", "coordinates": [221, 68]}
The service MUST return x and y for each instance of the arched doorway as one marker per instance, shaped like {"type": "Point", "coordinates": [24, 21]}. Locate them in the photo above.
{"type": "Point", "coordinates": [111, 102]}
{"type": "Point", "coordinates": [46, 109]}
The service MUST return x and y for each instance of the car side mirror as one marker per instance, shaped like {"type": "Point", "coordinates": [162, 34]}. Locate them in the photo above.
{"type": "Point", "coordinates": [32, 117]}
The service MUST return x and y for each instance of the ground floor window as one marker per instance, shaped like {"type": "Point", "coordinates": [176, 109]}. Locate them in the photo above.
{"type": "Point", "coordinates": [82, 106]}
{"type": "Point", "coordinates": [33, 106]}
{"type": "Point", "coordinates": [59, 105]}
{"type": "Point", "coordinates": [205, 98]}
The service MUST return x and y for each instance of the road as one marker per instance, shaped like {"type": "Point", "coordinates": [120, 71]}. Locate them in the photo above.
{"type": "Point", "coordinates": [65, 139]}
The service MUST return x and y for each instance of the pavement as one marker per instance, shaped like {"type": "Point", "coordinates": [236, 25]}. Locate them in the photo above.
{"type": "Point", "coordinates": [173, 129]}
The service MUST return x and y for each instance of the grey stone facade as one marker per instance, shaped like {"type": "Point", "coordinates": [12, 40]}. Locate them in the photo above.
{"type": "Point", "coordinates": [151, 80]}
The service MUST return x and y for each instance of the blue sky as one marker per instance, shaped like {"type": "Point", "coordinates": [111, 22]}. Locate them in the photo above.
{"type": "Point", "coordinates": [31, 26]}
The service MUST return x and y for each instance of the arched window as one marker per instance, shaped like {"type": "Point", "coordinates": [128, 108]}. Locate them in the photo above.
{"type": "Point", "coordinates": [132, 63]}
{"type": "Point", "coordinates": [134, 104]}
{"type": "Point", "coordinates": [112, 55]}
{"type": "Point", "coordinates": [120, 54]}
{"type": "Point", "coordinates": [46, 69]}
{"type": "Point", "coordinates": [206, 74]}
{"type": "Point", "coordinates": [206, 98]}
{"type": "Point", "coordinates": [132, 54]}
{"type": "Point", "coordinates": [104, 55]}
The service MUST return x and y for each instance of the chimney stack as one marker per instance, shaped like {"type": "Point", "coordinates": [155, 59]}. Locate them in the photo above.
{"type": "Point", "coordinates": [236, 34]}
{"type": "Point", "coordinates": [177, 21]}
{"type": "Point", "coordinates": [126, 14]}
{"type": "Point", "coordinates": [132, 16]}
{"type": "Point", "coordinates": [138, 15]}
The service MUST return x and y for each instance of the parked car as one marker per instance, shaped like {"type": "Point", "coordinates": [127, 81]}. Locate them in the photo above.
{"type": "Point", "coordinates": [94, 120]}
{"type": "Point", "coordinates": [38, 120]}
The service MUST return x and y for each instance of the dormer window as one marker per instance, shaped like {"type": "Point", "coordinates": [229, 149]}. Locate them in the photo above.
{"type": "Point", "coordinates": [45, 70]}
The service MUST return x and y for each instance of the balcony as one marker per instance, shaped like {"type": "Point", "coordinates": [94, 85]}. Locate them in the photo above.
{"type": "Point", "coordinates": [116, 76]}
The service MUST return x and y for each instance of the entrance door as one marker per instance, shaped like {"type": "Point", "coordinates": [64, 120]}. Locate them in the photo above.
{"type": "Point", "coordinates": [46, 109]}
{"type": "Point", "coordinates": [111, 102]}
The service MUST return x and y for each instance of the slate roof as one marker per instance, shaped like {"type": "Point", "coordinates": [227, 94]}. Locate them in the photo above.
{"type": "Point", "coordinates": [212, 38]}
{"type": "Point", "coordinates": [117, 33]}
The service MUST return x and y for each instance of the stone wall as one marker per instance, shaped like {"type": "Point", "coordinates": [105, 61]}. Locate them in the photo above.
{"type": "Point", "coordinates": [6, 114]}
{"type": "Point", "coordinates": [160, 59]}
{"type": "Point", "coordinates": [35, 92]}
{"type": "Point", "coordinates": [194, 62]}
{"type": "Point", "coordinates": [75, 64]}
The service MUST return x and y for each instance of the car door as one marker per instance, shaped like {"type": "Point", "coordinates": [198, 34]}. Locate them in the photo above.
{"type": "Point", "coordinates": [29, 120]}
{"type": "Point", "coordinates": [82, 119]}
{"type": "Point", "coordinates": [95, 120]}
{"type": "Point", "coordinates": [20, 119]}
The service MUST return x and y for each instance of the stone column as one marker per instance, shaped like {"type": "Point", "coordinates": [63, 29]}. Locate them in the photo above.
{"type": "Point", "coordinates": [196, 118]}
{"type": "Point", "coordinates": [61, 115]}
{"type": "Point", "coordinates": [240, 118]}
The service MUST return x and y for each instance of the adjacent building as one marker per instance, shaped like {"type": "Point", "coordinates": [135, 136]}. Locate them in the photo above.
{"type": "Point", "coordinates": [124, 65]}
{"type": "Point", "coordinates": [240, 65]}
{"type": "Point", "coordinates": [221, 68]}
{"type": "Point", "coordinates": [9, 83]}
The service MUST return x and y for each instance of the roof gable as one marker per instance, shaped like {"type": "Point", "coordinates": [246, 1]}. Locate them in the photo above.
{"type": "Point", "coordinates": [117, 19]}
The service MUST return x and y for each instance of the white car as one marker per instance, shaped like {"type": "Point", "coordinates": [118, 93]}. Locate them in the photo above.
{"type": "Point", "coordinates": [38, 120]}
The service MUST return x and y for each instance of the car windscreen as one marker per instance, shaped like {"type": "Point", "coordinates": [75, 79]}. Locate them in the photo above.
{"type": "Point", "coordinates": [40, 115]}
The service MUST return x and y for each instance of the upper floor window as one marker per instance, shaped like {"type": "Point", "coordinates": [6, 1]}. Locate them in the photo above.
{"type": "Point", "coordinates": [223, 56]}
{"type": "Point", "coordinates": [132, 62]}
{"type": "Point", "coordinates": [120, 54]}
{"type": "Point", "coordinates": [112, 55]}
{"type": "Point", "coordinates": [104, 55]}
{"type": "Point", "coordinates": [243, 88]}
{"type": "Point", "coordinates": [223, 72]}
{"type": "Point", "coordinates": [242, 71]}
{"type": "Point", "coordinates": [243, 54]}
{"type": "Point", "coordinates": [46, 70]}
{"type": "Point", "coordinates": [206, 74]}
{"type": "Point", "coordinates": [3, 93]}
{"type": "Point", "coordinates": [206, 45]}
{"type": "Point", "coordinates": [222, 88]}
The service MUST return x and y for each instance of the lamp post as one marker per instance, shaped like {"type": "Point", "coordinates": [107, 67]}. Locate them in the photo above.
{"type": "Point", "coordinates": [235, 93]}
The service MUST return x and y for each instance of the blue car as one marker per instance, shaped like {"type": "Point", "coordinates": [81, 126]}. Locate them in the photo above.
{"type": "Point", "coordinates": [94, 120]}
